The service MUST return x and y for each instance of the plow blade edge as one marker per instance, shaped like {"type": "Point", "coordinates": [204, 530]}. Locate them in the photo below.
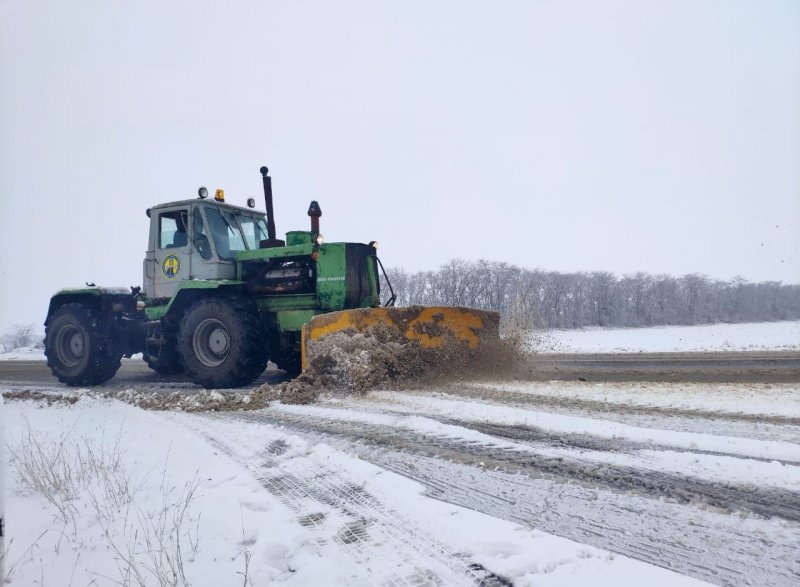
{"type": "Point", "coordinates": [430, 327]}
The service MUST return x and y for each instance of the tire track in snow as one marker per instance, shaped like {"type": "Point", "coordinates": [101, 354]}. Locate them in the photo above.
{"type": "Point", "coordinates": [713, 547]}
{"type": "Point", "coordinates": [767, 502]}
{"type": "Point", "coordinates": [510, 397]}
{"type": "Point", "coordinates": [585, 441]}
{"type": "Point", "coordinates": [689, 538]}
{"type": "Point", "coordinates": [376, 540]}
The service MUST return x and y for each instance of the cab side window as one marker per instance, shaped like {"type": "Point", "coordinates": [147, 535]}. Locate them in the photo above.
{"type": "Point", "coordinates": [172, 229]}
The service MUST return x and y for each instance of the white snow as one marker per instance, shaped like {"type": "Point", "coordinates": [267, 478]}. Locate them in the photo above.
{"type": "Point", "coordinates": [27, 353]}
{"type": "Point", "coordinates": [36, 353]}
{"type": "Point", "coordinates": [760, 336]}
{"type": "Point", "coordinates": [236, 524]}
{"type": "Point", "coordinates": [758, 399]}
{"type": "Point", "coordinates": [2, 489]}
{"type": "Point", "coordinates": [160, 464]}
{"type": "Point", "coordinates": [694, 462]}
{"type": "Point", "coordinates": [471, 411]}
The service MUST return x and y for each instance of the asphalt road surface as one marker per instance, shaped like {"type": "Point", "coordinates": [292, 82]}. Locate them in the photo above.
{"type": "Point", "coordinates": [756, 367]}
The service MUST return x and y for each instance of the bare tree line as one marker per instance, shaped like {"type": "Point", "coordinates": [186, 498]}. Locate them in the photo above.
{"type": "Point", "coordinates": [574, 300]}
{"type": "Point", "coordinates": [18, 336]}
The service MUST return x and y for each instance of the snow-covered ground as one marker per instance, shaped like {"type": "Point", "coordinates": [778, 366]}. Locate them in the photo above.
{"type": "Point", "coordinates": [760, 336]}
{"type": "Point", "coordinates": [134, 495]}
{"type": "Point", "coordinates": [27, 353]}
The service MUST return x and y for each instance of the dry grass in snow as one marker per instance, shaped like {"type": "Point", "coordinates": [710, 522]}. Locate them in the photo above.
{"type": "Point", "coordinates": [101, 494]}
{"type": "Point", "coordinates": [75, 473]}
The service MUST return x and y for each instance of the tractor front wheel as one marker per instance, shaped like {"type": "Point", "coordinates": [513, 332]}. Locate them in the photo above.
{"type": "Point", "coordinates": [79, 347]}
{"type": "Point", "coordinates": [289, 361]}
{"type": "Point", "coordinates": [221, 344]}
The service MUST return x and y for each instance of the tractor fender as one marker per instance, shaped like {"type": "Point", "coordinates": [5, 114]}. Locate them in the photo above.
{"type": "Point", "coordinates": [103, 299]}
{"type": "Point", "coordinates": [189, 292]}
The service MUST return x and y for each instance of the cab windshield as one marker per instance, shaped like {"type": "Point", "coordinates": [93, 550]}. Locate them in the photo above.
{"type": "Point", "coordinates": [232, 232]}
{"type": "Point", "coordinates": [226, 233]}
{"type": "Point", "coordinates": [255, 230]}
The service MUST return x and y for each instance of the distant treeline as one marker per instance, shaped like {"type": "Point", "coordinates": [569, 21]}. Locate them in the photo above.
{"type": "Point", "coordinates": [573, 300]}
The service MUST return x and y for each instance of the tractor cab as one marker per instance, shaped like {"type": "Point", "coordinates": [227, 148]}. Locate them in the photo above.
{"type": "Point", "coordinates": [197, 239]}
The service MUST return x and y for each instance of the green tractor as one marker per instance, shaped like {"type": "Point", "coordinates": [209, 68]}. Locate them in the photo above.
{"type": "Point", "coordinates": [222, 296]}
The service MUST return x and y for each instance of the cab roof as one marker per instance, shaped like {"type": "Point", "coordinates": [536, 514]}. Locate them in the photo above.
{"type": "Point", "coordinates": [208, 202]}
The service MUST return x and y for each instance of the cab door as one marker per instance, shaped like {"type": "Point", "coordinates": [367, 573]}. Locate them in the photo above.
{"type": "Point", "coordinates": [172, 252]}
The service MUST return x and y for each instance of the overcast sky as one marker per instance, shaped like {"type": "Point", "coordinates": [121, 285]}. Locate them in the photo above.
{"type": "Point", "coordinates": [600, 135]}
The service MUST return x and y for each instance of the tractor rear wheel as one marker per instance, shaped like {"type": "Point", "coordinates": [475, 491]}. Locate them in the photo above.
{"type": "Point", "coordinates": [79, 347]}
{"type": "Point", "coordinates": [221, 343]}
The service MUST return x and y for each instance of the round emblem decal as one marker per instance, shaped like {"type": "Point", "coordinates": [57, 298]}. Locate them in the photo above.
{"type": "Point", "coordinates": [171, 266]}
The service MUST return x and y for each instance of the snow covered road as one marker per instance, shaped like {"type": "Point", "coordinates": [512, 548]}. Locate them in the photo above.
{"type": "Point", "coordinates": [621, 489]}
{"type": "Point", "coordinates": [520, 483]}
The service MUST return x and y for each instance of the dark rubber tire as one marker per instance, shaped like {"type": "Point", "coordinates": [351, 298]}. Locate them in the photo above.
{"type": "Point", "coordinates": [289, 361]}
{"type": "Point", "coordinates": [168, 361]}
{"type": "Point", "coordinates": [79, 347]}
{"type": "Point", "coordinates": [221, 343]}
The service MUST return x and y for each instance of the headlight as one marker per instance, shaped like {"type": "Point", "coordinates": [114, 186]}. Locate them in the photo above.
{"type": "Point", "coordinates": [374, 244]}
{"type": "Point", "coordinates": [202, 192]}
{"type": "Point", "coordinates": [319, 239]}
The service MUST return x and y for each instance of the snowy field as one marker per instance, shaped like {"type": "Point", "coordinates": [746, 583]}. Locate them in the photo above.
{"type": "Point", "coordinates": [760, 336]}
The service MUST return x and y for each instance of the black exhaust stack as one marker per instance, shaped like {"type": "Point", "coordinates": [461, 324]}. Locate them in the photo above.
{"type": "Point", "coordinates": [315, 212]}
{"type": "Point", "coordinates": [271, 240]}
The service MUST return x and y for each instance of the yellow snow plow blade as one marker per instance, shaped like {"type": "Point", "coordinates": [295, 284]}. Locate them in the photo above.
{"type": "Point", "coordinates": [429, 326]}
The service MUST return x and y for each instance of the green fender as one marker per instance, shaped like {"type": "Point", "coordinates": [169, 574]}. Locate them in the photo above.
{"type": "Point", "coordinates": [190, 291]}
{"type": "Point", "coordinates": [102, 298]}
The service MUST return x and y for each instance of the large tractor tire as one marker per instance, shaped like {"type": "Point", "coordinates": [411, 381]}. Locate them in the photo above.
{"type": "Point", "coordinates": [167, 362]}
{"type": "Point", "coordinates": [289, 361]}
{"type": "Point", "coordinates": [79, 347]}
{"type": "Point", "coordinates": [221, 343]}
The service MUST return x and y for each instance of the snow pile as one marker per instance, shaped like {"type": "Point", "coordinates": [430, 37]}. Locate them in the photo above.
{"type": "Point", "coordinates": [199, 400]}
{"type": "Point", "coordinates": [761, 336]}
{"type": "Point", "coordinates": [352, 361]}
